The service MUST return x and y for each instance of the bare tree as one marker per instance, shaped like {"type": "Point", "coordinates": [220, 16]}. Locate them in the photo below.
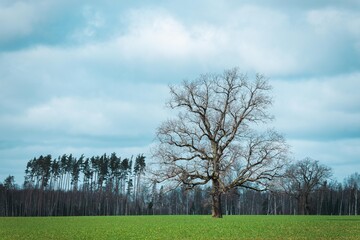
{"type": "Point", "coordinates": [213, 139]}
{"type": "Point", "coordinates": [353, 183]}
{"type": "Point", "coordinates": [302, 178]}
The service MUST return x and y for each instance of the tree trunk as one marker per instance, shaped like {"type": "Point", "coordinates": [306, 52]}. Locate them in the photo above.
{"type": "Point", "coordinates": [301, 205]}
{"type": "Point", "coordinates": [356, 202]}
{"type": "Point", "coordinates": [307, 205]}
{"type": "Point", "coordinates": [275, 206]}
{"type": "Point", "coordinates": [216, 199]}
{"type": "Point", "coordinates": [304, 204]}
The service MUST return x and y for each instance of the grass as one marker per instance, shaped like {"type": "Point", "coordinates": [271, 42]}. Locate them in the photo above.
{"type": "Point", "coordinates": [181, 227]}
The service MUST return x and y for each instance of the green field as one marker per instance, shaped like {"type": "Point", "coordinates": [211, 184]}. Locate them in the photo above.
{"type": "Point", "coordinates": [181, 227]}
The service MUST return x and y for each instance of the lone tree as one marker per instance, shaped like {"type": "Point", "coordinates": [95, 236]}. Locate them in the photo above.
{"type": "Point", "coordinates": [213, 139]}
{"type": "Point", "coordinates": [302, 178]}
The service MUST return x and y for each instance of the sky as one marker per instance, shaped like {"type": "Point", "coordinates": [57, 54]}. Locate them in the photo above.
{"type": "Point", "coordinates": [91, 77]}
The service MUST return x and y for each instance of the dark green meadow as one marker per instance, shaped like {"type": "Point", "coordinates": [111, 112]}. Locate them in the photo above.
{"type": "Point", "coordinates": [181, 227]}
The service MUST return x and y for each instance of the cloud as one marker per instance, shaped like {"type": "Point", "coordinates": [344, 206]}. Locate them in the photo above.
{"type": "Point", "coordinates": [93, 116]}
{"type": "Point", "coordinates": [24, 23]}
{"type": "Point", "coordinates": [88, 76]}
{"type": "Point", "coordinates": [256, 38]}
{"type": "Point", "coordinates": [329, 20]}
{"type": "Point", "coordinates": [155, 35]}
{"type": "Point", "coordinates": [247, 40]}
{"type": "Point", "coordinates": [17, 19]}
{"type": "Point", "coordinates": [341, 155]}
{"type": "Point", "coordinates": [75, 116]}
{"type": "Point", "coordinates": [325, 108]}
{"type": "Point", "coordinates": [94, 22]}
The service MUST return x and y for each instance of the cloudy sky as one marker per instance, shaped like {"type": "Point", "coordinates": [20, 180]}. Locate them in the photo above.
{"type": "Point", "coordinates": [92, 76]}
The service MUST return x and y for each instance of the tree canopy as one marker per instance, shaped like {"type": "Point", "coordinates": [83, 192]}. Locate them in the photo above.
{"type": "Point", "coordinates": [215, 137]}
{"type": "Point", "coordinates": [303, 177]}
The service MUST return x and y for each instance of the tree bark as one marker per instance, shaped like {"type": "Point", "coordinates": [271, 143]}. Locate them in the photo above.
{"type": "Point", "coordinates": [356, 202]}
{"type": "Point", "coordinates": [304, 205]}
{"type": "Point", "coordinates": [301, 205]}
{"type": "Point", "coordinates": [216, 199]}
{"type": "Point", "coordinates": [307, 205]}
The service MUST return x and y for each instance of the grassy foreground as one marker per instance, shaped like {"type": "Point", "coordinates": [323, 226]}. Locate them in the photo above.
{"type": "Point", "coordinates": [181, 227]}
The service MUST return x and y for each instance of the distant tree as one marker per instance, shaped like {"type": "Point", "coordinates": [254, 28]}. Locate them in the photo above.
{"type": "Point", "coordinates": [213, 139]}
{"type": "Point", "coordinates": [45, 170]}
{"type": "Point", "coordinates": [7, 197]}
{"type": "Point", "coordinates": [55, 173]}
{"type": "Point", "coordinates": [75, 172]}
{"type": "Point", "coordinates": [87, 174]}
{"type": "Point", "coordinates": [125, 169]}
{"type": "Point", "coordinates": [38, 172]}
{"type": "Point", "coordinates": [66, 168]}
{"type": "Point", "coordinates": [104, 170]}
{"type": "Point", "coordinates": [139, 169]}
{"type": "Point", "coordinates": [353, 183]}
{"type": "Point", "coordinates": [130, 185]}
{"type": "Point", "coordinates": [302, 178]}
{"type": "Point", "coordinates": [9, 183]}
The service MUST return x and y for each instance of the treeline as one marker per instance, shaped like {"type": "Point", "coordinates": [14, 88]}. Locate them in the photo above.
{"type": "Point", "coordinates": [330, 199]}
{"type": "Point", "coordinates": [109, 185]}
{"type": "Point", "coordinates": [68, 186]}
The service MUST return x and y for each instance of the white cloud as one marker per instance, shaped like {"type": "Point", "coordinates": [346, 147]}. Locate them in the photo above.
{"type": "Point", "coordinates": [330, 21]}
{"type": "Point", "coordinates": [336, 27]}
{"type": "Point", "coordinates": [94, 21]}
{"type": "Point", "coordinates": [341, 155]}
{"type": "Point", "coordinates": [67, 114]}
{"type": "Point", "coordinates": [157, 35]}
{"type": "Point", "coordinates": [94, 117]}
{"type": "Point", "coordinates": [248, 39]}
{"type": "Point", "coordinates": [319, 108]}
{"type": "Point", "coordinates": [20, 18]}
{"type": "Point", "coordinates": [16, 19]}
{"type": "Point", "coordinates": [282, 43]}
{"type": "Point", "coordinates": [108, 78]}
{"type": "Point", "coordinates": [258, 39]}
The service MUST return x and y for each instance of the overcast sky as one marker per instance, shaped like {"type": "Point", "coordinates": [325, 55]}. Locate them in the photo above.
{"type": "Point", "coordinates": [91, 77]}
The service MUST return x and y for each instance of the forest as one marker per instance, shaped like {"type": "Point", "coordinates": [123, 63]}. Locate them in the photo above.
{"type": "Point", "coordinates": [110, 185]}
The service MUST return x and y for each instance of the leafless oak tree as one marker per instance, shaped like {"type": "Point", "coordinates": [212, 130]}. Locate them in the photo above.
{"type": "Point", "coordinates": [303, 177]}
{"type": "Point", "coordinates": [213, 139]}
